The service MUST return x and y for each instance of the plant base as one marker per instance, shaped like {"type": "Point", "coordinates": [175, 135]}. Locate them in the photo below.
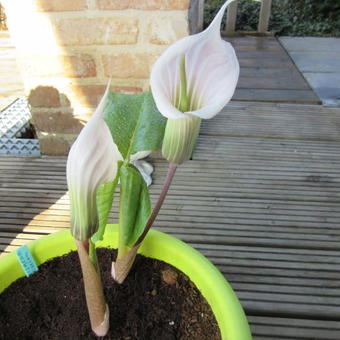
{"type": "Point", "coordinates": [155, 301]}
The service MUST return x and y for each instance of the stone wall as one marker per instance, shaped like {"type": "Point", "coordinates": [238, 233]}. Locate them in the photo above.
{"type": "Point", "coordinates": [67, 50]}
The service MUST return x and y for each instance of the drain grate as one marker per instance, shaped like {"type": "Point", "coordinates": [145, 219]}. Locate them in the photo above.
{"type": "Point", "coordinates": [14, 119]}
{"type": "Point", "coordinates": [14, 124]}
{"type": "Point", "coordinates": [23, 147]}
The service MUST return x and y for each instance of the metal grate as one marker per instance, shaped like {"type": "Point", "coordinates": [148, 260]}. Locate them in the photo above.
{"type": "Point", "coordinates": [14, 124]}
{"type": "Point", "coordinates": [23, 147]}
{"type": "Point", "coordinates": [14, 119]}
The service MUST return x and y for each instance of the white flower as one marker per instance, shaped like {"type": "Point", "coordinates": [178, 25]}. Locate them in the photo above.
{"type": "Point", "coordinates": [92, 161]}
{"type": "Point", "coordinates": [202, 67]}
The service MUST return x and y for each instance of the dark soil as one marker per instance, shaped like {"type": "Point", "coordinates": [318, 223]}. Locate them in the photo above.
{"type": "Point", "coordinates": [156, 301]}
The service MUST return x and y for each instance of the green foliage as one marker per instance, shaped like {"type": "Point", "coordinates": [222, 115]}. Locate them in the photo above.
{"type": "Point", "coordinates": [134, 205]}
{"type": "Point", "coordinates": [288, 17]}
{"type": "Point", "coordinates": [135, 125]}
{"type": "Point", "coordinates": [306, 17]}
{"type": "Point", "coordinates": [104, 200]}
{"type": "Point", "coordinates": [134, 122]}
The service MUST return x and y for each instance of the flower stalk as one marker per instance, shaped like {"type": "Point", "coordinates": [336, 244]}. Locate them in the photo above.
{"type": "Point", "coordinates": [95, 300]}
{"type": "Point", "coordinates": [168, 180]}
{"type": "Point", "coordinates": [92, 161]}
{"type": "Point", "coordinates": [122, 266]}
{"type": "Point", "coordinates": [193, 79]}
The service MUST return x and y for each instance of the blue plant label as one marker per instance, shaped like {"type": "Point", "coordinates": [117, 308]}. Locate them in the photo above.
{"type": "Point", "coordinates": [26, 260]}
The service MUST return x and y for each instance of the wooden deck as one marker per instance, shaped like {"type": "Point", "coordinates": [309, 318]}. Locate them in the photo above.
{"type": "Point", "coordinates": [261, 199]}
{"type": "Point", "coordinates": [268, 74]}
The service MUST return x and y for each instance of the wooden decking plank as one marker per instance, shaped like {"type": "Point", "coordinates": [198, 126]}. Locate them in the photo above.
{"type": "Point", "coordinates": [22, 236]}
{"type": "Point", "coordinates": [268, 73]}
{"type": "Point", "coordinates": [309, 293]}
{"type": "Point", "coordinates": [284, 254]}
{"type": "Point", "coordinates": [263, 328]}
{"type": "Point", "coordinates": [226, 202]}
{"type": "Point", "coordinates": [309, 222]}
{"type": "Point", "coordinates": [274, 63]}
{"type": "Point", "coordinates": [273, 79]}
{"type": "Point", "coordinates": [258, 58]}
{"type": "Point", "coordinates": [232, 235]}
{"type": "Point", "coordinates": [276, 108]}
{"type": "Point", "coordinates": [256, 228]}
{"type": "Point", "coordinates": [194, 203]}
{"type": "Point", "coordinates": [311, 177]}
{"type": "Point", "coordinates": [283, 77]}
{"type": "Point", "coordinates": [244, 191]}
{"type": "Point", "coordinates": [202, 234]}
{"type": "Point", "coordinates": [307, 184]}
{"type": "Point", "coordinates": [292, 96]}
{"type": "Point", "coordinates": [240, 123]}
{"type": "Point", "coordinates": [291, 149]}
{"type": "Point", "coordinates": [268, 239]}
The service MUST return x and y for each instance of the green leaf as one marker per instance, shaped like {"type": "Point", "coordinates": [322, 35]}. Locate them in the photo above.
{"type": "Point", "coordinates": [134, 122]}
{"type": "Point", "coordinates": [104, 199]}
{"type": "Point", "coordinates": [134, 205]}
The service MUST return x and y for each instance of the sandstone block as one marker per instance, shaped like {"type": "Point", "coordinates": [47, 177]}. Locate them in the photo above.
{"type": "Point", "coordinates": [57, 122]}
{"type": "Point", "coordinates": [59, 5]}
{"type": "Point", "coordinates": [97, 31]}
{"type": "Point", "coordinates": [90, 95]}
{"type": "Point", "coordinates": [44, 96]}
{"type": "Point", "coordinates": [54, 145]}
{"type": "Point", "coordinates": [127, 65]}
{"type": "Point", "coordinates": [143, 4]}
{"type": "Point", "coordinates": [70, 66]}
{"type": "Point", "coordinates": [165, 31]}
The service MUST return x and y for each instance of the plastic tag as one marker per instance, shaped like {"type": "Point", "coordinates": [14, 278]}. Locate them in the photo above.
{"type": "Point", "coordinates": [26, 260]}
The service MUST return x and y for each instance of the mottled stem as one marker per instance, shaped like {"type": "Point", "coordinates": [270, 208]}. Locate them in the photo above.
{"type": "Point", "coordinates": [169, 177]}
{"type": "Point", "coordinates": [95, 300]}
{"type": "Point", "coordinates": [122, 266]}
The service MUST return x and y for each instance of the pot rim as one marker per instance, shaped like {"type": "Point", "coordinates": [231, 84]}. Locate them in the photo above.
{"type": "Point", "coordinates": [158, 245]}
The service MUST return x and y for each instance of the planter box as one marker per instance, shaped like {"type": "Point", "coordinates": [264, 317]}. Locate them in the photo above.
{"type": "Point", "coordinates": [211, 283]}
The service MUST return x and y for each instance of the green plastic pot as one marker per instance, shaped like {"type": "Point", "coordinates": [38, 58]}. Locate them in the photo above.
{"type": "Point", "coordinates": [211, 283]}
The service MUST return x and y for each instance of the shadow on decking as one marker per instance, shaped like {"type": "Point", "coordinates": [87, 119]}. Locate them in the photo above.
{"type": "Point", "coordinates": [32, 196]}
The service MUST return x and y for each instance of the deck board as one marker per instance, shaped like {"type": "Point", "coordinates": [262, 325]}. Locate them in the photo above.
{"type": "Point", "coordinates": [263, 328]}
{"type": "Point", "coordinates": [268, 73]}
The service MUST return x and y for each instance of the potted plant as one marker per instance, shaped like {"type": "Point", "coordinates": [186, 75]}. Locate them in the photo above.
{"type": "Point", "coordinates": [193, 80]}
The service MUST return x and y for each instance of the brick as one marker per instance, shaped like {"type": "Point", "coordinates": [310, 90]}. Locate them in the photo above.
{"type": "Point", "coordinates": [143, 4]}
{"type": "Point", "coordinates": [96, 31]}
{"type": "Point", "coordinates": [90, 95]}
{"type": "Point", "coordinates": [165, 31]}
{"type": "Point", "coordinates": [127, 65]}
{"type": "Point", "coordinates": [57, 122]}
{"type": "Point", "coordinates": [44, 96]}
{"type": "Point", "coordinates": [71, 66]}
{"type": "Point", "coordinates": [54, 145]}
{"type": "Point", "coordinates": [59, 5]}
